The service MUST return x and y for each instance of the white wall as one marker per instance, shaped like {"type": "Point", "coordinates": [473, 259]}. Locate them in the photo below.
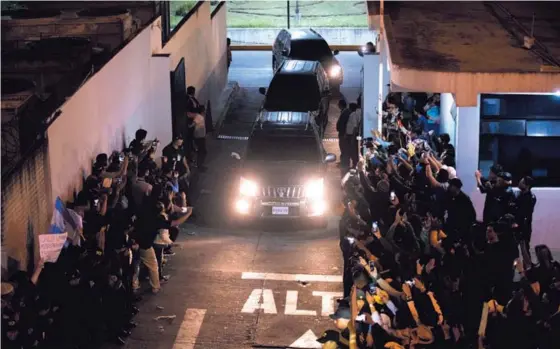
{"type": "Point", "coordinates": [447, 120]}
{"type": "Point", "coordinates": [371, 93]}
{"type": "Point", "coordinates": [546, 219]}
{"type": "Point", "coordinates": [466, 146]}
{"type": "Point", "coordinates": [201, 41]}
{"type": "Point", "coordinates": [131, 91]}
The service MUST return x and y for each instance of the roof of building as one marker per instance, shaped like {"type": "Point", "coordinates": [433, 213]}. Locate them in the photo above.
{"type": "Point", "coordinates": [471, 36]}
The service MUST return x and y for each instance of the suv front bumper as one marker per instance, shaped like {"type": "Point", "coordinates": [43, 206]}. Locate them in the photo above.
{"type": "Point", "coordinates": [277, 208]}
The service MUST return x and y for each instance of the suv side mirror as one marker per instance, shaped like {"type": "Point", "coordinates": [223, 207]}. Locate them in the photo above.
{"type": "Point", "coordinates": [285, 52]}
{"type": "Point", "coordinates": [235, 156]}
{"type": "Point", "coordinates": [262, 91]}
{"type": "Point", "coordinates": [336, 52]}
{"type": "Point", "coordinates": [330, 158]}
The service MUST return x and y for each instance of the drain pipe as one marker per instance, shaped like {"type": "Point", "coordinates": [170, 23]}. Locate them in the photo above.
{"type": "Point", "coordinates": [288, 12]}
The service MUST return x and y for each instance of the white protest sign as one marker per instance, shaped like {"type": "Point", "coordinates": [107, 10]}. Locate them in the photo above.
{"type": "Point", "coordinates": [50, 246]}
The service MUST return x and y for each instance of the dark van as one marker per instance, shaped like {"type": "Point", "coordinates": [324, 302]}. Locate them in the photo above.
{"type": "Point", "coordinates": [299, 86]}
{"type": "Point", "coordinates": [307, 45]}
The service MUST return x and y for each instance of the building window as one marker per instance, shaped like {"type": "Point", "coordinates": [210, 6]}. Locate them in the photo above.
{"type": "Point", "coordinates": [522, 133]}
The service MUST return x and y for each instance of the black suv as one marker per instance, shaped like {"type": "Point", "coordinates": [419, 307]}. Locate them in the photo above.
{"type": "Point", "coordinates": [282, 172]}
{"type": "Point", "coordinates": [299, 86]}
{"type": "Point", "coordinates": [307, 45]}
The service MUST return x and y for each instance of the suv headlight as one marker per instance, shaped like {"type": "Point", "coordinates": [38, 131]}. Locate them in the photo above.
{"type": "Point", "coordinates": [314, 189]}
{"type": "Point", "coordinates": [335, 71]}
{"type": "Point", "coordinates": [248, 187]}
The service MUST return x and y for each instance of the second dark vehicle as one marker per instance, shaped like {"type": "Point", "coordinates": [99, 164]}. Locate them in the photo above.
{"type": "Point", "coordinates": [299, 86]}
{"type": "Point", "coordinates": [307, 45]}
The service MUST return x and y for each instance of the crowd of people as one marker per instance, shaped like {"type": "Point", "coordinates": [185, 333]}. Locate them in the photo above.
{"type": "Point", "coordinates": [122, 227]}
{"type": "Point", "coordinates": [420, 271]}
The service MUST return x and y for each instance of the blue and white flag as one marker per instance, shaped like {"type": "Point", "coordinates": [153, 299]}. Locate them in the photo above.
{"type": "Point", "coordinates": [58, 221]}
{"type": "Point", "coordinates": [65, 221]}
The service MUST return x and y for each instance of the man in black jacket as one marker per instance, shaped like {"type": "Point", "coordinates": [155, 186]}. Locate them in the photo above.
{"type": "Point", "coordinates": [461, 214]}
{"type": "Point", "coordinates": [341, 129]}
{"type": "Point", "coordinates": [500, 198]}
{"type": "Point", "coordinates": [525, 202]}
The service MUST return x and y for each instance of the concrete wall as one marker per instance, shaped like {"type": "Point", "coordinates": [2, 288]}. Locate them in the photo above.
{"type": "Point", "coordinates": [334, 36]}
{"type": "Point", "coordinates": [448, 113]}
{"type": "Point", "coordinates": [129, 92]}
{"type": "Point", "coordinates": [201, 40]}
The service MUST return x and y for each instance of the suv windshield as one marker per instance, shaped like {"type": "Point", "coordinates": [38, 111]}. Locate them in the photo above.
{"type": "Point", "coordinates": [291, 92]}
{"type": "Point", "coordinates": [275, 148]}
{"type": "Point", "coordinates": [310, 50]}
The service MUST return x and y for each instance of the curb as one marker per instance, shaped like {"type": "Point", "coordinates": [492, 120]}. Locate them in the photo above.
{"type": "Point", "coordinates": [218, 124]}
{"type": "Point", "coordinates": [269, 47]}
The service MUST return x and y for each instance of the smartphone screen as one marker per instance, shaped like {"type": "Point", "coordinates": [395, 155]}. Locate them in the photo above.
{"type": "Point", "coordinates": [393, 196]}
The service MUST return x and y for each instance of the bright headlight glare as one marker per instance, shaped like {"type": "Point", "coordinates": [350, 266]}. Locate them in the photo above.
{"type": "Point", "coordinates": [242, 206]}
{"type": "Point", "coordinates": [318, 208]}
{"type": "Point", "coordinates": [314, 189]}
{"type": "Point", "coordinates": [335, 70]}
{"type": "Point", "coordinates": [248, 187]}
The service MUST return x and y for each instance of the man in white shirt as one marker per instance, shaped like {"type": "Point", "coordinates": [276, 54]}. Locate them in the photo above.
{"type": "Point", "coordinates": [352, 131]}
{"type": "Point", "coordinates": [199, 134]}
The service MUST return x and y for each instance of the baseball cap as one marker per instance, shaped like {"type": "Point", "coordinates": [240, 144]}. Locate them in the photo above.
{"type": "Point", "coordinates": [341, 313]}
{"type": "Point", "coordinates": [450, 170]}
{"type": "Point", "coordinates": [506, 176]}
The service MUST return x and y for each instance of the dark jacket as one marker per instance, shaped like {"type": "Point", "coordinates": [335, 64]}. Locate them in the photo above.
{"type": "Point", "coordinates": [147, 228]}
{"type": "Point", "coordinates": [342, 121]}
{"type": "Point", "coordinates": [525, 206]}
{"type": "Point", "coordinates": [498, 202]}
{"type": "Point", "coordinates": [461, 214]}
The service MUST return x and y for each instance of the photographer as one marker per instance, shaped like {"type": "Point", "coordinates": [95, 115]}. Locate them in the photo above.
{"type": "Point", "coordinates": [176, 160]}
{"type": "Point", "coordinates": [102, 165]}
{"type": "Point", "coordinates": [148, 163]}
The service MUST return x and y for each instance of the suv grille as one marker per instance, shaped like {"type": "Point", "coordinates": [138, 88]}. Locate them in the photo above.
{"type": "Point", "coordinates": [287, 192]}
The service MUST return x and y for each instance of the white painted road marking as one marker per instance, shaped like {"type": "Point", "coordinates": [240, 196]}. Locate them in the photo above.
{"type": "Point", "coordinates": [327, 301]}
{"type": "Point", "coordinates": [254, 302]}
{"type": "Point", "coordinates": [308, 340]}
{"type": "Point", "coordinates": [190, 327]}
{"type": "Point", "coordinates": [264, 299]}
{"type": "Point", "coordinates": [291, 277]}
{"type": "Point", "coordinates": [291, 305]}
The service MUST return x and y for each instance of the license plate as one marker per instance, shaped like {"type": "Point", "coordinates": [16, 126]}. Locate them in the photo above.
{"type": "Point", "coordinates": [278, 211]}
